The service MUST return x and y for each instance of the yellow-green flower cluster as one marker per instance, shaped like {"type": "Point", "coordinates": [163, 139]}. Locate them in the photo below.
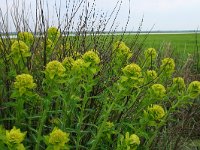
{"type": "Point", "coordinates": [57, 139]}
{"type": "Point", "coordinates": [155, 112]}
{"type": "Point", "coordinates": [157, 91]}
{"type": "Point", "coordinates": [14, 138]}
{"type": "Point", "coordinates": [24, 82]}
{"type": "Point", "coordinates": [150, 54]}
{"type": "Point", "coordinates": [121, 50]}
{"type": "Point", "coordinates": [132, 141]}
{"type": "Point", "coordinates": [179, 84]}
{"type": "Point", "coordinates": [19, 49]}
{"type": "Point", "coordinates": [78, 66]}
{"type": "Point", "coordinates": [26, 37]}
{"type": "Point", "coordinates": [54, 68]}
{"type": "Point", "coordinates": [68, 62]}
{"type": "Point", "coordinates": [91, 57]}
{"type": "Point", "coordinates": [132, 76]}
{"type": "Point", "coordinates": [167, 66]}
{"type": "Point", "coordinates": [53, 34]}
{"type": "Point", "coordinates": [194, 89]}
{"type": "Point", "coordinates": [151, 75]}
{"type": "Point", "coordinates": [132, 70]}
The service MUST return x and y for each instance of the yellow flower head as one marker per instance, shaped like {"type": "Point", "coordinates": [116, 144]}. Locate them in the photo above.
{"type": "Point", "coordinates": [157, 91]}
{"type": "Point", "coordinates": [151, 75]}
{"type": "Point", "coordinates": [26, 37]}
{"type": "Point", "coordinates": [67, 62]}
{"type": "Point", "coordinates": [132, 140]}
{"type": "Point", "coordinates": [150, 53]}
{"type": "Point", "coordinates": [53, 34]}
{"type": "Point", "coordinates": [15, 136]}
{"type": "Point", "coordinates": [92, 57]}
{"type": "Point", "coordinates": [156, 112]}
{"type": "Point", "coordinates": [54, 68]}
{"type": "Point", "coordinates": [132, 70]}
{"type": "Point", "coordinates": [58, 138]}
{"type": "Point", "coordinates": [19, 49]}
{"type": "Point", "coordinates": [194, 89]}
{"type": "Point", "coordinates": [168, 65]}
{"type": "Point", "coordinates": [78, 65]}
{"type": "Point", "coordinates": [121, 49]}
{"type": "Point", "coordinates": [179, 83]}
{"type": "Point", "coordinates": [24, 82]}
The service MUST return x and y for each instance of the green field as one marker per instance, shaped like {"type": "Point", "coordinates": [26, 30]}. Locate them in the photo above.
{"type": "Point", "coordinates": [179, 46]}
{"type": "Point", "coordinates": [180, 42]}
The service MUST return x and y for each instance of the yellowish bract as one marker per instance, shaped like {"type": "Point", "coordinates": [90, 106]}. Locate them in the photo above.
{"type": "Point", "coordinates": [156, 111]}
{"type": "Point", "coordinates": [179, 83]}
{"type": "Point", "coordinates": [24, 82]}
{"type": "Point", "coordinates": [67, 62]}
{"type": "Point", "coordinates": [53, 34]}
{"type": "Point", "coordinates": [121, 49]}
{"type": "Point", "coordinates": [167, 65]}
{"type": "Point", "coordinates": [78, 65]}
{"type": "Point", "coordinates": [132, 140]}
{"type": "Point", "coordinates": [151, 75]}
{"type": "Point", "coordinates": [19, 47]}
{"type": "Point", "coordinates": [19, 50]}
{"type": "Point", "coordinates": [194, 89]}
{"type": "Point", "coordinates": [157, 91]}
{"type": "Point", "coordinates": [150, 53]}
{"type": "Point", "coordinates": [92, 57]}
{"type": "Point", "coordinates": [109, 124]}
{"type": "Point", "coordinates": [15, 136]}
{"type": "Point", "coordinates": [58, 138]}
{"type": "Point", "coordinates": [26, 37]}
{"type": "Point", "coordinates": [54, 68]}
{"type": "Point", "coordinates": [132, 70]}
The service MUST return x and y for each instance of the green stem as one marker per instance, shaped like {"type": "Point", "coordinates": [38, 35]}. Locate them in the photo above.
{"type": "Point", "coordinates": [42, 122]}
{"type": "Point", "coordinates": [99, 133]}
{"type": "Point", "coordinates": [20, 110]}
{"type": "Point", "coordinates": [85, 99]}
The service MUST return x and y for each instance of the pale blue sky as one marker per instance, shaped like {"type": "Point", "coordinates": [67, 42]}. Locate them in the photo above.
{"type": "Point", "coordinates": [164, 14]}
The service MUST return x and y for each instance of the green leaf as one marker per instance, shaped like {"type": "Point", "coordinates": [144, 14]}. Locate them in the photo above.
{"type": "Point", "coordinates": [124, 78]}
{"type": "Point", "coordinates": [46, 140]}
{"type": "Point", "coordinates": [93, 70]}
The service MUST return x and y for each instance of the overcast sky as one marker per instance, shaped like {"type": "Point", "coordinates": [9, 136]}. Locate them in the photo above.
{"type": "Point", "coordinates": [164, 14]}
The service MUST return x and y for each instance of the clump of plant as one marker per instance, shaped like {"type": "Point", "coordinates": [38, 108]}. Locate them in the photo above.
{"type": "Point", "coordinates": [12, 139]}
